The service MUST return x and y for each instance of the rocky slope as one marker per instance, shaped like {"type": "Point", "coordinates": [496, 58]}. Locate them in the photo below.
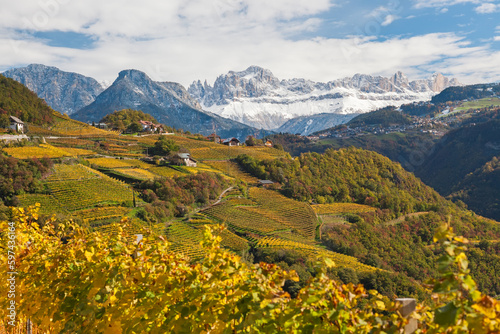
{"type": "Point", "coordinates": [168, 102]}
{"type": "Point", "coordinates": [257, 98]}
{"type": "Point", "coordinates": [64, 91]}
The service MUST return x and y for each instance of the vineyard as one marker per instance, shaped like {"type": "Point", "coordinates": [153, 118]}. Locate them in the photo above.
{"type": "Point", "coordinates": [232, 169]}
{"type": "Point", "coordinates": [185, 239]}
{"type": "Point", "coordinates": [337, 208]}
{"type": "Point", "coordinates": [314, 252]}
{"type": "Point", "coordinates": [296, 215]}
{"type": "Point", "coordinates": [45, 150]}
{"type": "Point", "coordinates": [49, 204]}
{"type": "Point", "coordinates": [102, 213]}
{"type": "Point", "coordinates": [67, 172]}
{"type": "Point", "coordinates": [70, 127]}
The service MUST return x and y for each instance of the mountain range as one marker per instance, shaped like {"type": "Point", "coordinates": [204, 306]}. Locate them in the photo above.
{"type": "Point", "coordinates": [257, 98]}
{"type": "Point", "coordinates": [238, 104]}
{"type": "Point", "coordinates": [168, 102]}
{"type": "Point", "coordinates": [65, 92]}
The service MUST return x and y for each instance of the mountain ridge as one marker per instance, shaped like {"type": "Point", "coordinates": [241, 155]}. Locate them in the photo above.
{"type": "Point", "coordinates": [66, 92]}
{"type": "Point", "coordinates": [168, 102]}
{"type": "Point", "coordinates": [256, 97]}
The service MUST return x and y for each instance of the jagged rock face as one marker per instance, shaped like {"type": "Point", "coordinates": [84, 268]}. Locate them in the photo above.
{"type": "Point", "coordinates": [64, 91]}
{"type": "Point", "coordinates": [168, 102]}
{"type": "Point", "coordinates": [257, 98]}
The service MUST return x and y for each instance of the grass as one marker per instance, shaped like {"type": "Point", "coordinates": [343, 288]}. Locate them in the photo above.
{"type": "Point", "coordinates": [478, 104]}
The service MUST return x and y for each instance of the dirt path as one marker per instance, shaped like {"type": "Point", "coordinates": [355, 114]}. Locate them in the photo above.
{"type": "Point", "coordinates": [221, 195]}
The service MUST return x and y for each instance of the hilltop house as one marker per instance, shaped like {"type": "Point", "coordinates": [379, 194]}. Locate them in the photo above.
{"type": "Point", "coordinates": [16, 124]}
{"type": "Point", "coordinates": [268, 143]}
{"type": "Point", "coordinates": [148, 126]}
{"type": "Point", "coordinates": [231, 142]}
{"type": "Point", "coordinates": [184, 159]}
{"type": "Point", "coordinates": [213, 137]}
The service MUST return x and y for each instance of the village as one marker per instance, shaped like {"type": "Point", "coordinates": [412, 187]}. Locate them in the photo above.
{"type": "Point", "coordinates": [424, 125]}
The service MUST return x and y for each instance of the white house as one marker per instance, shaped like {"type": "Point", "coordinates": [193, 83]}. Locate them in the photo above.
{"type": "Point", "coordinates": [16, 124]}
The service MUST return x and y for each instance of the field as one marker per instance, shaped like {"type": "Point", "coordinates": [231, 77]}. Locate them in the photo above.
{"type": "Point", "coordinates": [314, 252]}
{"type": "Point", "coordinates": [45, 150]}
{"type": "Point", "coordinates": [298, 216]}
{"type": "Point", "coordinates": [338, 208]}
{"type": "Point", "coordinates": [232, 169]}
{"type": "Point", "coordinates": [478, 104]}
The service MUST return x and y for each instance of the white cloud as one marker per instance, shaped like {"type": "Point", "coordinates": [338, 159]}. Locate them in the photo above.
{"type": "Point", "coordinates": [389, 19]}
{"type": "Point", "coordinates": [496, 38]}
{"type": "Point", "coordinates": [443, 3]}
{"type": "Point", "coordinates": [487, 8]}
{"type": "Point", "coordinates": [443, 10]}
{"type": "Point", "coordinates": [186, 40]}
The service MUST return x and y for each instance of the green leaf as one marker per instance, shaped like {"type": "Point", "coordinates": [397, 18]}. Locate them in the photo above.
{"type": "Point", "coordinates": [446, 315]}
{"type": "Point", "coordinates": [100, 312]}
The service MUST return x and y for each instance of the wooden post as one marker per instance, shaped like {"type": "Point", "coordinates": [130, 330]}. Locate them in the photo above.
{"type": "Point", "coordinates": [28, 327]}
{"type": "Point", "coordinates": [408, 306]}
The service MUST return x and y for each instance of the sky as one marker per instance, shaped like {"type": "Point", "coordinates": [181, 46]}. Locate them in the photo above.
{"type": "Point", "coordinates": [320, 40]}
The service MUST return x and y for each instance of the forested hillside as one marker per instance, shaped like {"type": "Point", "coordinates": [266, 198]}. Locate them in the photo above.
{"type": "Point", "coordinates": [347, 175]}
{"type": "Point", "coordinates": [459, 153]}
{"type": "Point", "coordinates": [17, 100]}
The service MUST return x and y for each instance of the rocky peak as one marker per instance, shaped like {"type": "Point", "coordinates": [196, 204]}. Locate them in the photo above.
{"type": "Point", "coordinates": [66, 92]}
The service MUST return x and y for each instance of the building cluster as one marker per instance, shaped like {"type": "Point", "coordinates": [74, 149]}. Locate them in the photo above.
{"type": "Point", "coordinates": [232, 141]}
{"type": "Point", "coordinates": [419, 123]}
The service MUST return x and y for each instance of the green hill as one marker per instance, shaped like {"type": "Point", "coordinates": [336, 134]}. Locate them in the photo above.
{"type": "Point", "coordinates": [127, 119]}
{"type": "Point", "coordinates": [347, 175]}
{"type": "Point", "coordinates": [480, 189]}
{"type": "Point", "coordinates": [459, 153]}
{"type": "Point", "coordinates": [17, 100]}
{"type": "Point", "coordinates": [384, 117]}
{"type": "Point", "coordinates": [471, 92]}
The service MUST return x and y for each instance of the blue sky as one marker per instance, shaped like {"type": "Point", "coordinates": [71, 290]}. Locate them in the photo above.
{"type": "Point", "coordinates": [321, 40]}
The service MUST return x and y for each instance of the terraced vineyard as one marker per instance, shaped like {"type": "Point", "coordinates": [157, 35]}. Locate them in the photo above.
{"type": "Point", "coordinates": [232, 169]}
{"type": "Point", "coordinates": [296, 215]}
{"type": "Point", "coordinates": [103, 213]}
{"type": "Point", "coordinates": [242, 220]}
{"type": "Point", "coordinates": [70, 127]}
{"type": "Point", "coordinates": [312, 251]}
{"type": "Point", "coordinates": [78, 187]}
{"type": "Point", "coordinates": [49, 204]}
{"type": "Point", "coordinates": [77, 195]}
{"type": "Point", "coordinates": [45, 150]}
{"type": "Point", "coordinates": [136, 173]}
{"type": "Point", "coordinates": [64, 172]}
{"type": "Point", "coordinates": [117, 163]}
{"type": "Point", "coordinates": [185, 239]}
{"type": "Point", "coordinates": [337, 208]}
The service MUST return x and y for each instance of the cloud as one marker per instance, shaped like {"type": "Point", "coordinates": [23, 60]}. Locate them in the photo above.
{"type": "Point", "coordinates": [496, 38]}
{"type": "Point", "coordinates": [186, 40]}
{"type": "Point", "coordinates": [441, 3]}
{"type": "Point", "coordinates": [389, 19]}
{"type": "Point", "coordinates": [444, 10]}
{"type": "Point", "coordinates": [487, 8]}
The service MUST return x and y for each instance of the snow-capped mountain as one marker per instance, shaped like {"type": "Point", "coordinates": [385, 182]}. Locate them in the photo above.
{"type": "Point", "coordinates": [168, 102]}
{"type": "Point", "coordinates": [257, 98]}
{"type": "Point", "coordinates": [66, 92]}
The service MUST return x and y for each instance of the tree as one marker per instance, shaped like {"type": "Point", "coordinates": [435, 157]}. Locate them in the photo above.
{"type": "Point", "coordinates": [135, 126]}
{"type": "Point", "coordinates": [165, 146]}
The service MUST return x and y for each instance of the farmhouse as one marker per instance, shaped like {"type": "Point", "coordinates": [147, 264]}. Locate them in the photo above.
{"type": "Point", "coordinates": [16, 124]}
{"type": "Point", "coordinates": [265, 183]}
{"type": "Point", "coordinates": [148, 126]}
{"type": "Point", "coordinates": [268, 143]}
{"type": "Point", "coordinates": [231, 142]}
{"type": "Point", "coordinates": [213, 137]}
{"type": "Point", "coordinates": [184, 159]}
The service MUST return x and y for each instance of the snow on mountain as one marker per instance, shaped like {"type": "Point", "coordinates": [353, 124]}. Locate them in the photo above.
{"type": "Point", "coordinates": [257, 98]}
